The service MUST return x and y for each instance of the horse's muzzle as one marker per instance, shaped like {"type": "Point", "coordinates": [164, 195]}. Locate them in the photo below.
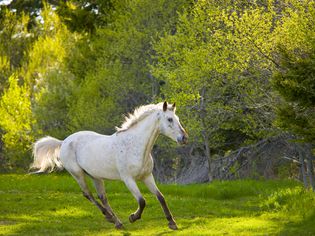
{"type": "Point", "coordinates": [183, 139]}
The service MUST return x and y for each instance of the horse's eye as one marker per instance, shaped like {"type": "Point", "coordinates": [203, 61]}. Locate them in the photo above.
{"type": "Point", "coordinates": [170, 120]}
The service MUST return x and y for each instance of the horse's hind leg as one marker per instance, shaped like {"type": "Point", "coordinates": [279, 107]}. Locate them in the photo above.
{"type": "Point", "coordinates": [132, 186]}
{"type": "Point", "coordinates": [99, 185]}
{"type": "Point", "coordinates": [79, 177]}
{"type": "Point", "coordinates": [150, 183]}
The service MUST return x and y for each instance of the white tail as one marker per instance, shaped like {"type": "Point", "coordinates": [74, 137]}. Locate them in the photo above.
{"type": "Point", "coordinates": [46, 154]}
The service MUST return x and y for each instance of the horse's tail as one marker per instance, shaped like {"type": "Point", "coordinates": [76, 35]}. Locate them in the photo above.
{"type": "Point", "coordinates": [46, 155]}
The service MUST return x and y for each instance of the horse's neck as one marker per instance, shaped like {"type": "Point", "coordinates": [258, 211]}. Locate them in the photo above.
{"type": "Point", "coordinates": [146, 133]}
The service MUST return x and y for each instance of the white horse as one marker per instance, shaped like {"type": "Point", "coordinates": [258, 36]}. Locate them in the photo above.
{"type": "Point", "coordinates": [124, 155]}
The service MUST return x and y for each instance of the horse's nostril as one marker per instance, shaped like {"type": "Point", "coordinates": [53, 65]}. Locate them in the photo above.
{"type": "Point", "coordinates": [182, 139]}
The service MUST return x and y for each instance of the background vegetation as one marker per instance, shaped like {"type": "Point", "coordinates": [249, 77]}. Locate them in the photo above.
{"type": "Point", "coordinates": [240, 71]}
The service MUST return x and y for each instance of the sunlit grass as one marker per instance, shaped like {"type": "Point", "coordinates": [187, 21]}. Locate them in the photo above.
{"type": "Point", "coordinates": [53, 205]}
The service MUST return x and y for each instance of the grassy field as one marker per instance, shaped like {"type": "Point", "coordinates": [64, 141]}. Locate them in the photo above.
{"type": "Point", "coordinates": [53, 205]}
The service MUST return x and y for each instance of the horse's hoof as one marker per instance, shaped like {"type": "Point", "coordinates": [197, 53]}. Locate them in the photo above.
{"type": "Point", "coordinates": [119, 226]}
{"type": "Point", "coordinates": [173, 226]}
{"type": "Point", "coordinates": [132, 218]}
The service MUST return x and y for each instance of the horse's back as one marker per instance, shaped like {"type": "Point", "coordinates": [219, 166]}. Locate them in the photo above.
{"type": "Point", "coordinates": [81, 136]}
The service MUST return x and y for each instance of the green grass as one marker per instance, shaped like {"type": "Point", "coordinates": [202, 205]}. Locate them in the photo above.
{"type": "Point", "coordinates": [53, 205]}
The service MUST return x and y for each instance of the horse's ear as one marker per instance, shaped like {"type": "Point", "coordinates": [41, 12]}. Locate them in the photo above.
{"type": "Point", "coordinates": [174, 106]}
{"type": "Point", "coordinates": [165, 106]}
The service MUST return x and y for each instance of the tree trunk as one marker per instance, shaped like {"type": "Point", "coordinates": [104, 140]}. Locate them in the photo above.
{"type": "Point", "coordinates": [204, 133]}
{"type": "Point", "coordinates": [310, 173]}
{"type": "Point", "coordinates": [302, 168]}
{"type": "Point", "coordinates": [310, 167]}
{"type": "Point", "coordinates": [207, 152]}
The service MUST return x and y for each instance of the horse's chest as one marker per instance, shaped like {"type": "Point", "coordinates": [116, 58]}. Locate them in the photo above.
{"type": "Point", "coordinates": [147, 167]}
{"type": "Point", "coordinates": [134, 158]}
{"type": "Point", "coordinates": [140, 168]}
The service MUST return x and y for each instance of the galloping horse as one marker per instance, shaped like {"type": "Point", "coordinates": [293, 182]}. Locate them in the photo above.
{"type": "Point", "coordinates": [124, 155]}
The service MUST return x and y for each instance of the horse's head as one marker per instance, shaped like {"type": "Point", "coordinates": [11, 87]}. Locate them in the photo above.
{"type": "Point", "coordinates": [170, 125]}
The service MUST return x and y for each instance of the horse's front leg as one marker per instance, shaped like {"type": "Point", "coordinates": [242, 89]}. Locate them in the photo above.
{"type": "Point", "coordinates": [133, 188]}
{"type": "Point", "coordinates": [150, 183]}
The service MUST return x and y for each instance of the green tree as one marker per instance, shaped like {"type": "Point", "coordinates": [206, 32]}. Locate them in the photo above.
{"type": "Point", "coordinates": [217, 65]}
{"type": "Point", "coordinates": [85, 16]}
{"type": "Point", "coordinates": [296, 84]}
{"type": "Point", "coordinates": [38, 83]}
{"type": "Point", "coordinates": [295, 79]}
{"type": "Point", "coordinates": [47, 74]}
{"type": "Point", "coordinates": [15, 39]}
{"type": "Point", "coordinates": [121, 51]}
{"type": "Point", "coordinates": [16, 123]}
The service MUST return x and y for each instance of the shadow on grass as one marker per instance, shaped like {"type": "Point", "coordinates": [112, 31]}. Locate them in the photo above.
{"type": "Point", "coordinates": [306, 226]}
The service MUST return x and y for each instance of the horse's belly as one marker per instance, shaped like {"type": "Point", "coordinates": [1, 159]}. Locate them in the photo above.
{"type": "Point", "coordinates": [98, 160]}
{"type": "Point", "coordinates": [105, 173]}
{"type": "Point", "coordinates": [104, 168]}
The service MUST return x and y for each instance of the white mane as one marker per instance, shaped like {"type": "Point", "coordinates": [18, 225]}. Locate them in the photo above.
{"type": "Point", "coordinates": [139, 114]}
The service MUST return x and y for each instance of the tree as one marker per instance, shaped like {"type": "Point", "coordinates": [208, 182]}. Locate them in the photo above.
{"type": "Point", "coordinates": [85, 16]}
{"type": "Point", "coordinates": [15, 38]}
{"type": "Point", "coordinates": [122, 52]}
{"type": "Point", "coordinates": [16, 123]}
{"type": "Point", "coordinates": [295, 82]}
{"type": "Point", "coordinates": [217, 66]}
{"type": "Point", "coordinates": [47, 75]}
{"type": "Point", "coordinates": [295, 78]}
{"type": "Point", "coordinates": [37, 83]}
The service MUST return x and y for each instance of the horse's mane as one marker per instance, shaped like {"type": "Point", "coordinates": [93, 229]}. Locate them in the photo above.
{"type": "Point", "coordinates": [139, 114]}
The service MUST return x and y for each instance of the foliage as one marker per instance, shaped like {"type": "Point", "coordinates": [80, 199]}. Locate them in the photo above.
{"type": "Point", "coordinates": [47, 74]}
{"type": "Point", "coordinates": [55, 206]}
{"type": "Point", "coordinates": [78, 15]}
{"type": "Point", "coordinates": [15, 39]}
{"type": "Point", "coordinates": [217, 66]}
{"type": "Point", "coordinates": [219, 63]}
{"type": "Point", "coordinates": [83, 16]}
{"type": "Point", "coordinates": [100, 113]}
{"type": "Point", "coordinates": [26, 100]}
{"type": "Point", "coordinates": [295, 80]}
{"type": "Point", "coordinates": [16, 123]}
{"type": "Point", "coordinates": [120, 51]}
